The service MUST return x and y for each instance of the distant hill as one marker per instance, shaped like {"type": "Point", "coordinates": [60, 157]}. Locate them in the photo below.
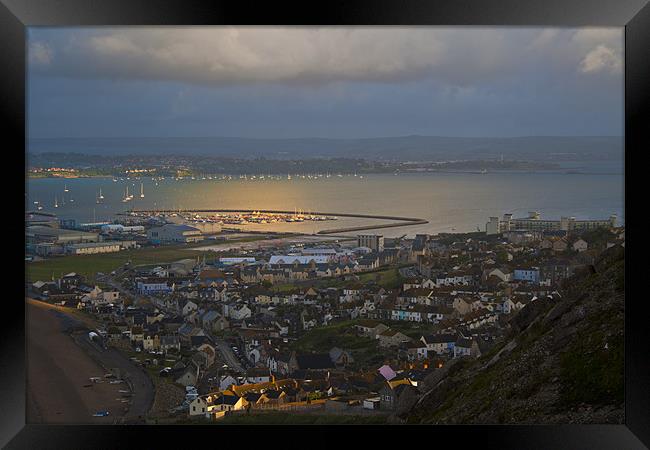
{"type": "Point", "coordinates": [402, 148]}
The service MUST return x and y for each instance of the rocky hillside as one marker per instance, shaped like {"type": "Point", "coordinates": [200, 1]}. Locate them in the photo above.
{"type": "Point", "coordinates": [561, 363]}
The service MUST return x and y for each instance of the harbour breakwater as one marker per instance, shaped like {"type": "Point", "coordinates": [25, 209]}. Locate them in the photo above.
{"type": "Point", "coordinates": [399, 221]}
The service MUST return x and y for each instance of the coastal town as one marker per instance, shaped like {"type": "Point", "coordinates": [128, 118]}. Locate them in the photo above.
{"type": "Point", "coordinates": [258, 324]}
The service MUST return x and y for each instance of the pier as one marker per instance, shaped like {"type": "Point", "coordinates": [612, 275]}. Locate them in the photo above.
{"type": "Point", "coordinates": [400, 221]}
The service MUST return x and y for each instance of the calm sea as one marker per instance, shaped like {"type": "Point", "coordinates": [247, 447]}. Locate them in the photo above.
{"type": "Point", "coordinates": [449, 201]}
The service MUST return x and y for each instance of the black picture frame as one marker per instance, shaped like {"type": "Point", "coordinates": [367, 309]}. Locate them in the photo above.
{"type": "Point", "coordinates": [634, 15]}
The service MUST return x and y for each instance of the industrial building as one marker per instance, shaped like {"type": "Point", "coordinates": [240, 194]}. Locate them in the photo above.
{"type": "Point", "coordinates": [374, 242]}
{"type": "Point", "coordinates": [42, 219]}
{"type": "Point", "coordinates": [91, 248]}
{"type": "Point", "coordinates": [46, 241]}
{"type": "Point", "coordinates": [534, 222]}
{"type": "Point", "coordinates": [38, 234]}
{"type": "Point", "coordinates": [174, 233]}
{"type": "Point", "coordinates": [239, 260]}
{"type": "Point", "coordinates": [207, 227]}
{"type": "Point", "coordinates": [297, 259]}
{"type": "Point", "coordinates": [117, 228]}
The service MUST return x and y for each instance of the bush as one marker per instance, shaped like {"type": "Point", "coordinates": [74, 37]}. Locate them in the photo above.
{"type": "Point", "coordinates": [592, 374]}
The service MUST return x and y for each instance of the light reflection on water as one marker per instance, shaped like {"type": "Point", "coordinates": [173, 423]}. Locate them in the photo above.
{"type": "Point", "coordinates": [460, 201]}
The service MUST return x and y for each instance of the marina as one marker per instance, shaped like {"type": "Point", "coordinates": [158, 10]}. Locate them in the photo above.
{"type": "Point", "coordinates": [445, 201]}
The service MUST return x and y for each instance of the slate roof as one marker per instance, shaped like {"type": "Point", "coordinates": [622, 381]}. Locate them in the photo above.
{"type": "Point", "coordinates": [227, 400]}
{"type": "Point", "coordinates": [316, 361]}
{"type": "Point", "coordinates": [210, 316]}
{"type": "Point", "coordinates": [197, 341]}
{"type": "Point", "coordinates": [463, 342]}
{"type": "Point", "coordinates": [169, 340]}
{"type": "Point", "coordinates": [439, 338]}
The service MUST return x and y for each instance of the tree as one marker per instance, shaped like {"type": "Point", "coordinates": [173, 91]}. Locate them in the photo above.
{"type": "Point", "coordinates": [502, 257]}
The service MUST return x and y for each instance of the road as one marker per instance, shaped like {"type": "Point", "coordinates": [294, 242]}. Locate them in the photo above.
{"type": "Point", "coordinates": [109, 279]}
{"type": "Point", "coordinates": [227, 354]}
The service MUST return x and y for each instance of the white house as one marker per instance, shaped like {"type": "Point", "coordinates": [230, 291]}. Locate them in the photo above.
{"type": "Point", "coordinates": [189, 307]}
{"type": "Point", "coordinates": [241, 313]}
{"type": "Point", "coordinates": [503, 275]}
{"type": "Point", "coordinates": [580, 245]}
{"type": "Point", "coordinates": [439, 343]}
{"type": "Point", "coordinates": [199, 407]}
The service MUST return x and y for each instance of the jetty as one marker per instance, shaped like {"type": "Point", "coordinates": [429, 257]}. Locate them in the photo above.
{"type": "Point", "coordinates": [398, 221]}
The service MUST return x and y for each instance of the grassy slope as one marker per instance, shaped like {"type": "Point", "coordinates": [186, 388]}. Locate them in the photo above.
{"type": "Point", "coordinates": [567, 368]}
{"type": "Point", "coordinates": [365, 351]}
{"type": "Point", "coordinates": [321, 340]}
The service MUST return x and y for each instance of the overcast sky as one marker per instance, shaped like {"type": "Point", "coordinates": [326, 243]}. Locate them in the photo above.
{"type": "Point", "coordinates": [324, 82]}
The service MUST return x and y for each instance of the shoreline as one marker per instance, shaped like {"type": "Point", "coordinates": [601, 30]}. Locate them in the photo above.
{"type": "Point", "coordinates": [60, 362]}
{"type": "Point", "coordinates": [32, 177]}
{"type": "Point", "coordinates": [58, 370]}
{"type": "Point", "coordinates": [396, 173]}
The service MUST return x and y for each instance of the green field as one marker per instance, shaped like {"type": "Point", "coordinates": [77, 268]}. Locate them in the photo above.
{"type": "Point", "coordinates": [340, 334]}
{"type": "Point", "coordinates": [365, 351]}
{"type": "Point", "coordinates": [89, 265]}
{"type": "Point", "coordinates": [387, 278]}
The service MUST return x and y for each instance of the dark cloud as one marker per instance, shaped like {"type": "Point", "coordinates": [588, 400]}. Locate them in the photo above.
{"type": "Point", "coordinates": [339, 82]}
{"type": "Point", "coordinates": [218, 55]}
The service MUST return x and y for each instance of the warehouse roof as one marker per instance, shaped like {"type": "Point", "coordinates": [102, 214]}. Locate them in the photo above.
{"type": "Point", "coordinates": [49, 231]}
{"type": "Point", "coordinates": [94, 244]}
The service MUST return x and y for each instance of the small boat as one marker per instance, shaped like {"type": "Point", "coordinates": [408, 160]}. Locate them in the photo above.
{"type": "Point", "coordinates": [56, 203]}
{"type": "Point", "coordinates": [141, 190]}
{"type": "Point", "coordinates": [101, 196]}
{"type": "Point", "coordinates": [65, 188]}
